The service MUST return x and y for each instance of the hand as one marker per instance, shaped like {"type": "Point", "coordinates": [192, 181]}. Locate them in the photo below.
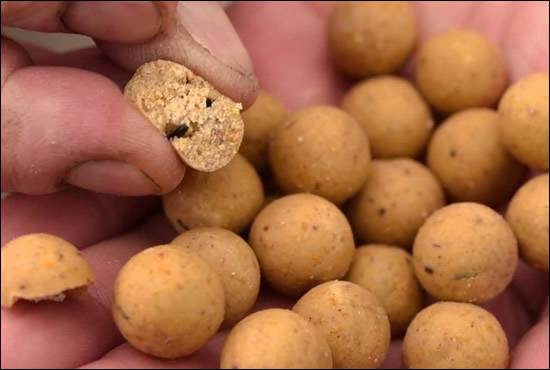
{"type": "Point", "coordinates": [68, 133]}
{"type": "Point", "coordinates": [71, 125]}
{"type": "Point", "coordinates": [81, 332]}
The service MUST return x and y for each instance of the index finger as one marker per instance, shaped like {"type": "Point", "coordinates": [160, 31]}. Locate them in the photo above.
{"type": "Point", "coordinates": [124, 21]}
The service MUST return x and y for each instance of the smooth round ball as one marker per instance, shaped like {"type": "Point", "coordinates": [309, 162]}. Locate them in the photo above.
{"type": "Point", "coordinates": [388, 273]}
{"type": "Point", "coordinates": [320, 150]}
{"type": "Point", "coordinates": [301, 240]}
{"type": "Point", "coordinates": [228, 198]}
{"type": "Point", "coordinates": [275, 339]}
{"type": "Point", "coordinates": [167, 302]}
{"type": "Point", "coordinates": [450, 335]}
{"type": "Point", "coordinates": [468, 157]}
{"type": "Point", "coordinates": [460, 69]}
{"type": "Point", "coordinates": [38, 267]}
{"type": "Point", "coordinates": [234, 262]}
{"type": "Point", "coordinates": [259, 120]}
{"type": "Point", "coordinates": [395, 201]}
{"type": "Point", "coordinates": [371, 37]}
{"type": "Point", "coordinates": [524, 120]}
{"type": "Point", "coordinates": [465, 252]}
{"type": "Point", "coordinates": [528, 217]}
{"type": "Point", "coordinates": [353, 321]}
{"type": "Point", "coordinates": [396, 119]}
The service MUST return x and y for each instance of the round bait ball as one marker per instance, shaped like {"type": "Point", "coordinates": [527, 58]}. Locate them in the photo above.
{"type": "Point", "coordinates": [37, 267]}
{"type": "Point", "coordinates": [301, 240]}
{"type": "Point", "coordinates": [449, 335]}
{"type": "Point", "coordinates": [352, 320]}
{"type": "Point", "coordinates": [460, 69]}
{"type": "Point", "coordinates": [395, 201]}
{"type": "Point", "coordinates": [167, 302]}
{"type": "Point", "coordinates": [227, 198]}
{"type": "Point", "coordinates": [528, 216]}
{"type": "Point", "coordinates": [524, 120]}
{"type": "Point", "coordinates": [371, 37]}
{"type": "Point", "coordinates": [275, 339]}
{"type": "Point", "coordinates": [467, 155]}
{"type": "Point", "coordinates": [320, 150]}
{"type": "Point", "coordinates": [388, 273]}
{"type": "Point", "coordinates": [465, 252]}
{"type": "Point", "coordinates": [259, 120]}
{"type": "Point", "coordinates": [234, 262]}
{"type": "Point", "coordinates": [396, 119]}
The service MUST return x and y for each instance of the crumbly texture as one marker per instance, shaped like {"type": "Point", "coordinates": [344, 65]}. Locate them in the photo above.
{"type": "Point", "coordinates": [394, 202]}
{"type": "Point", "coordinates": [469, 158]}
{"type": "Point", "coordinates": [167, 302]}
{"type": "Point", "coordinates": [301, 240]}
{"type": "Point", "coordinates": [259, 121]}
{"type": "Point", "coordinates": [524, 120]}
{"type": "Point", "coordinates": [234, 262]}
{"type": "Point", "coordinates": [37, 267]}
{"type": "Point", "coordinates": [320, 150]}
{"type": "Point", "coordinates": [352, 320]}
{"type": "Point", "coordinates": [275, 339]}
{"type": "Point", "coordinates": [465, 252]}
{"type": "Point", "coordinates": [460, 69]}
{"type": "Point", "coordinates": [395, 117]}
{"type": "Point", "coordinates": [204, 126]}
{"type": "Point", "coordinates": [388, 273]}
{"type": "Point", "coordinates": [449, 335]}
{"type": "Point", "coordinates": [228, 198]}
{"type": "Point", "coordinates": [371, 37]}
{"type": "Point", "coordinates": [528, 216]}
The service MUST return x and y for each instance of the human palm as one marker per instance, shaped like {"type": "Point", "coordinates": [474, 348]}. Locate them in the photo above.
{"type": "Point", "coordinates": [287, 44]}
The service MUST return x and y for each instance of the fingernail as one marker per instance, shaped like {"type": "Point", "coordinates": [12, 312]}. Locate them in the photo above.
{"type": "Point", "coordinates": [209, 26]}
{"type": "Point", "coordinates": [115, 21]}
{"type": "Point", "coordinates": [112, 177]}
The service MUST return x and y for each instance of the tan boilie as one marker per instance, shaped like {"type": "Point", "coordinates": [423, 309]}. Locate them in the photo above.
{"type": "Point", "coordinates": [227, 198]}
{"type": "Point", "coordinates": [371, 37]}
{"type": "Point", "coordinates": [38, 267]}
{"type": "Point", "coordinates": [234, 262]}
{"type": "Point", "coordinates": [395, 117]}
{"type": "Point", "coordinates": [275, 339]}
{"type": "Point", "coordinates": [352, 320]}
{"type": "Point", "coordinates": [204, 126]}
{"type": "Point", "coordinates": [394, 202]}
{"type": "Point", "coordinates": [465, 252]}
{"type": "Point", "coordinates": [388, 273]}
{"type": "Point", "coordinates": [320, 150]}
{"type": "Point", "coordinates": [259, 121]}
{"type": "Point", "coordinates": [466, 153]}
{"type": "Point", "coordinates": [167, 302]}
{"type": "Point", "coordinates": [450, 335]}
{"type": "Point", "coordinates": [524, 120]}
{"type": "Point", "coordinates": [301, 240]}
{"type": "Point", "coordinates": [460, 69]}
{"type": "Point", "coordinates": [528, 216]}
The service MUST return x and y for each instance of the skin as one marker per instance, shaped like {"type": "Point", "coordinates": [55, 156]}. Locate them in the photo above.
{"type": "Point", "coordinates": [109, 228]}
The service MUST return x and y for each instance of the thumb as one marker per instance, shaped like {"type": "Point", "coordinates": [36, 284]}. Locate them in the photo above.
{"type": "Point", "coordinates": [200, 36]}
